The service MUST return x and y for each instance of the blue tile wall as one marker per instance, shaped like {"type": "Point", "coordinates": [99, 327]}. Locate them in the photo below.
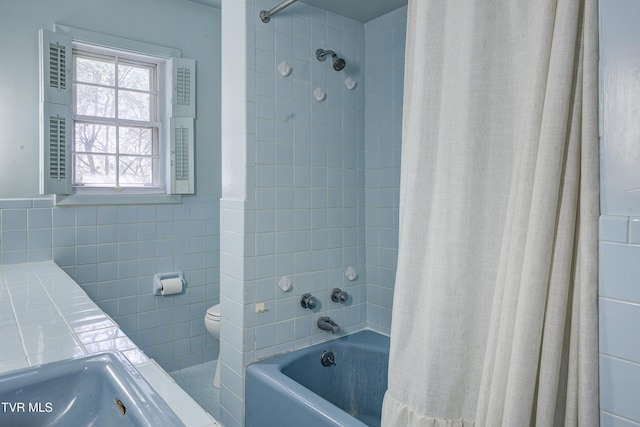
{"type": "Point", "coordinates": [315, 201]}
{"type": "Point", "coordinates": [619, 299]}
{"type": "Point", "coordinates": [113, 253]}
{"type": "Point", "coordinates": [384, 36]}
{"type": "Point", "coordinates": [619, 256]}
{"type": "Point", "coordinates": [306, 186]}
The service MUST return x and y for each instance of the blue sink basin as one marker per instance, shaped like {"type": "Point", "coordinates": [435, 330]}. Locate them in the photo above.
{"type": "Point", "coordinates": [99, 390]}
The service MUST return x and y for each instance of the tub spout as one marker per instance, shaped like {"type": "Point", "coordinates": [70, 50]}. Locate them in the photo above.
{"type": "Point", "coordinates": [326, 324]}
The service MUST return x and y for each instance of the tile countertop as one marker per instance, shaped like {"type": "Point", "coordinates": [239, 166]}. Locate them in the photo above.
{"type": "Point", "coordinates": [45, 316]}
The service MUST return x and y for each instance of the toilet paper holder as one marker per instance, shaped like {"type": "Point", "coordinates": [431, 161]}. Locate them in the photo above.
{"type": "Point", "coordinates": [158, 278]}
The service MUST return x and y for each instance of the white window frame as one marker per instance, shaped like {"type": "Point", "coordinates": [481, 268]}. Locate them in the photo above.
{"type": "Point", "coordinates": [155, 121]}
{"type": "Point", "coordinates": [178, 120]}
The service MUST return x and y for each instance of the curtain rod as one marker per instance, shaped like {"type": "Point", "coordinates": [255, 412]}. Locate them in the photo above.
{"type": "Point", "coordinates": [265, 16]}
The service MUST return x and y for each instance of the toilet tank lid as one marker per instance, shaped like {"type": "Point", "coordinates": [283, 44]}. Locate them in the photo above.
{"type": "Point", "coordinates": [214, 311]}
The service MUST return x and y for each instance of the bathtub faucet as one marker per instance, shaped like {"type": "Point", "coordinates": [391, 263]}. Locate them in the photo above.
{"type": "Point", "coordinates": [326, 324]}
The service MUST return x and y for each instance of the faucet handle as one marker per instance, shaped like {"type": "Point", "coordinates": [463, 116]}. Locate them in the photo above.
{"type": "Point", "coordinates": [337, 295]}
{"type": "Point", "coordinates": [308, 301]}
{"type": "Point", "coordinates": [327, 358]}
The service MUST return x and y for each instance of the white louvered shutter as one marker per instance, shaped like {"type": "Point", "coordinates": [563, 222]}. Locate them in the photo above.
{"type": "Point", "coordinates": [184, 87]}
{"type": "Point", "coordinates": [182, 137]}
{"type": "Point", "coordinates": [55, 112]}
{"type": "Point", "coordinates": [183, 114]}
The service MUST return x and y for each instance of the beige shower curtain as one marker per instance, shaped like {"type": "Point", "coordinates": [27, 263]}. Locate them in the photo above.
{"type": "Point", "coordinates": [495, 306]}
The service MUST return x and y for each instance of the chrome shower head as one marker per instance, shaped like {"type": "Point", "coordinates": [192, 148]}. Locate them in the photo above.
{"type": "Point", "coordinates": [338, 63]}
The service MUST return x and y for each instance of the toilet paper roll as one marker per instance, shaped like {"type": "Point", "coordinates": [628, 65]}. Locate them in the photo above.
{"type": "Point", "coordinates": [171, 286]}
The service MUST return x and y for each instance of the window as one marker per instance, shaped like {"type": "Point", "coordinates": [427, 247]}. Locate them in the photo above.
{"type": "Point", "coordinates": [114, 119]}
{"type": "Point", "coordinates": [116, 122]}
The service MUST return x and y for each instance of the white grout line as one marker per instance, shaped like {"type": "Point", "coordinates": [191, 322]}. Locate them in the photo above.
{"type": "Point", "coordinates": [15, 317]}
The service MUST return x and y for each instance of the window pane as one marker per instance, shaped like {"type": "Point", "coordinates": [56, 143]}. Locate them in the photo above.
{"type": "Point", "coordinates": [133, 105]}
{"type": "Point", "coordinates": [132, 77]}
{"type": "Point", "coordinates": [115, 109]}
{"type": "Point", "coordinates": [95, 169]}
{"type": "Point", "coordinates": [95, 101]}
{"type": "Point", "coordinates": [135, 171]}
{"type": "Point", "coordinates": [93, 138]}
{"type": "Point", "coordinates": [136, 141]}
{"type": "Point", "coordinates": [91, 70]}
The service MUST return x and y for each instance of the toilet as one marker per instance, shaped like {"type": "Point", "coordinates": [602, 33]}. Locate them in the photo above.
{"type": "Point", "coordinates": [212, 323]}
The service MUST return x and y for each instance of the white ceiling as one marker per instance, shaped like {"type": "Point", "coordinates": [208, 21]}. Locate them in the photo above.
{"type": "Point", "coordinates": [360, 10]}
{"type": "Point", "coordinates": [212, 3]}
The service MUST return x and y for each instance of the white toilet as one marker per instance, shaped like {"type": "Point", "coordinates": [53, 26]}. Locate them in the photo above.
{"type": "Point", "coordinates": [212, 323]}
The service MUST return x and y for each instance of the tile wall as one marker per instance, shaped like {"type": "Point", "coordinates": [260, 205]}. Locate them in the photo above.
{"type": "Point", "coordinates": [619, 262]}
{"type": "Point", "coordinates": [303, 216]}
{"type": "Point", "coordinates": [309, 190]}
{"type": "Point", "coordinates": [384, 73]}
{"type": "Point", "coordinates": [619, 305]}
{"type": "Point", "coordinates": [113, 253]}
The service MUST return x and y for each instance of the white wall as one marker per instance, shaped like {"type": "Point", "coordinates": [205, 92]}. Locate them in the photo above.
{"type": "Point", "coordinates": [620, 220]}
{"type": "Point", "coordinates": [181, 24]}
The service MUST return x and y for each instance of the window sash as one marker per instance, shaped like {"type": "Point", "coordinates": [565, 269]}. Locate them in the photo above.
{"type": "Point", "coordinates": [118, 59]}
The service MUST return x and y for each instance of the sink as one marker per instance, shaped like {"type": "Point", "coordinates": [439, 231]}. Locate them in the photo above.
{"type": "Point", "coordinates": [99, 390]}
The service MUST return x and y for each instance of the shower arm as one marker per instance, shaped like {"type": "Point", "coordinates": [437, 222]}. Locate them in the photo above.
{"type": "Point", "coordinates": [265, 15]}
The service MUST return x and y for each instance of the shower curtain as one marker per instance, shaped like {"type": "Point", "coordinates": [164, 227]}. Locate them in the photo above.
{"type": "Point", "coordinates": [495, 308]}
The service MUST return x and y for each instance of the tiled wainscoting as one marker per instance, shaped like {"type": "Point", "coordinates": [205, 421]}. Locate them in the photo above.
{"type": "Point", "coordinates": [619, 319]}
{"type": "Point", "coordinates": [112, 252]}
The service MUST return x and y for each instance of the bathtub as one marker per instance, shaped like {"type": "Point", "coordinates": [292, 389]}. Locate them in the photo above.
{"type": "Point", "coordinates": [295, 389]}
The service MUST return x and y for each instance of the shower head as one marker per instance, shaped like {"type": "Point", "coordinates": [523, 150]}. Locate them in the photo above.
{"type": "Point", "coordinates": [338, 63]}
